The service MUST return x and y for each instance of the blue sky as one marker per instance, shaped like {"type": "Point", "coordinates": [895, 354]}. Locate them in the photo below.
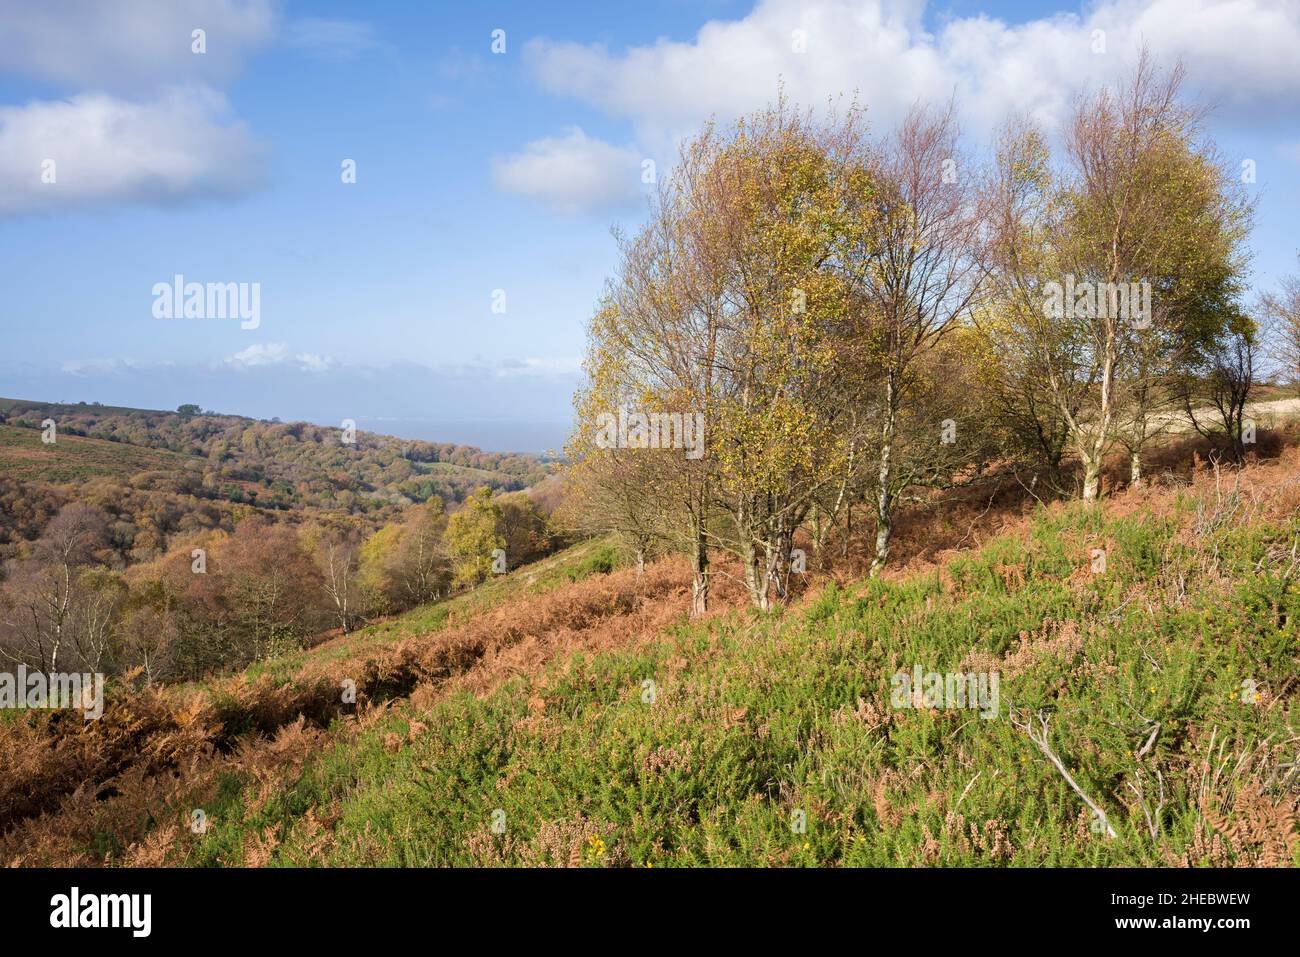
{"type": "Point", "coordinates": [476, 172]}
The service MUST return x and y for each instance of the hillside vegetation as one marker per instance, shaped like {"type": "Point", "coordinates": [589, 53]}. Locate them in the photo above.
{"type": "Point", "coordinates": [272, 464]}
{"type": "Point", "coordinates": [594, 724]}
{"type": "Point", "coordinates": [24, 457]}
{"type": "Point", "coordinates": [189, 543]}
{"type": "Point", "coordinates": [939, 507]}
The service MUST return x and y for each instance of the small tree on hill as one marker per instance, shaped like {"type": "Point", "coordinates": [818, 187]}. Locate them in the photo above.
{"type": "Point", "coordinates": [473, 534]}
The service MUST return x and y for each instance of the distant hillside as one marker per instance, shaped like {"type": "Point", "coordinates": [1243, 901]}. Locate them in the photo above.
{"type": "Point", "coordinates": [269, 464]}
{"type": "Point", "coordinates": [24, 456]}
{"type": "Point", "coordinates": [164, 480]}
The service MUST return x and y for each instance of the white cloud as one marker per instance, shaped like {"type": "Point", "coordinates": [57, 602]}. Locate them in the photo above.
{"type": "Point", "coordinates": [263, 354]}
{"type": "Point", "coordinates": [258, 354]}
{"type": "Point", "coordinates": [333, 39]}
{"type": "Point", "coordinates": [572, 174]}
{"type": "Point", "coordinates": [81, 367]}
{"type": "Point", "coordinates": [280, 356]}
{"type": "Point", "coordinates": [106, 150]}
{"type": "Point", "coordinates": [311, 362]}
{"type": "Point", "coordinates": [144, 122]}
{"type": "Point", "coordinates": [130, 45]}
{"type": "Point", "coordinates": [1239, 52]}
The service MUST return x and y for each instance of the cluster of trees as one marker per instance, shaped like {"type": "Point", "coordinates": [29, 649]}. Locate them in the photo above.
{"type": "Point", "coordinates": [68, 602]}
{"type": "Point", "coordinates": [287, 465]}
{"type": "Point", "coordinates": [141, 523]}
{"type": "Point", "coordinates": [294, 473]}
{"type": "Point", "coordinates": [861, 319]}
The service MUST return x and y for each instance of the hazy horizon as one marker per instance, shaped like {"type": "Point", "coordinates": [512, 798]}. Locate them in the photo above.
{"type": "Point", "coordinates": [535, 437]}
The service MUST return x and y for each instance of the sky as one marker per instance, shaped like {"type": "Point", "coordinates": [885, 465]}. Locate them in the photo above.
{"type": "Point", "coordinates": [443, 293]}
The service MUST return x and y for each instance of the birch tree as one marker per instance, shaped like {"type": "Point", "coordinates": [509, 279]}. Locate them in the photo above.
{"type": "Point", "coordinates": [915, 276]}
{"type": "Point", "coordinates": [1114, 263]}
{"type": "Point", "coordinates": [1282, 309]}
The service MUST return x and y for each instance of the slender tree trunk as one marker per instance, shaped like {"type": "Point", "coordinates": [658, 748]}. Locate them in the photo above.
{"type": "Point", "coordinates": [884, 501]}
{"type": "Point", "coordinates": [1091, 478]}
{"type": "Point", "coordinates": [1135, 468]}
{"type": "Point", "coordinates": [757, 579]}
{"type": "Point", "coordinates": [1093, 458]}
{"type": "Point", "coordinates": [884, 529]}
{"type": "Point", "coordinates": [1237, 430]}
{"type": "Point", "coordinates": [699, 570]}
{"type": "Point", "coordinates": [779, 560]}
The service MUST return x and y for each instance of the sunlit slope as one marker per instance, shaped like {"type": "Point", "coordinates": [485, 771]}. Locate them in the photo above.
{"type": "Point", "coordinates": [1163, 676]}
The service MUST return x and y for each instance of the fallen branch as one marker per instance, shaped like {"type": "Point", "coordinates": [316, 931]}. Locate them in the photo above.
{"type": "Point", "coordinates": [1153, 817]}
{"type": "Point", "coordinates": [1039, 737]}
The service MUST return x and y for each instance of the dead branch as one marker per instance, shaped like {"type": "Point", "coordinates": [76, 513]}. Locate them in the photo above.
{"type": "Point", "coordinates": [1039, 738]}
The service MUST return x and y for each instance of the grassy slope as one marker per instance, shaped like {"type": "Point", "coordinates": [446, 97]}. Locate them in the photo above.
{"type": "Point", "coordinates": [106, 791]}
{"type": "Point", "coordinates": [756, 719]}
{"type": "Point", "coordinates": [73, 458]}
{"type": "Point", "coordinates": [568, 565]}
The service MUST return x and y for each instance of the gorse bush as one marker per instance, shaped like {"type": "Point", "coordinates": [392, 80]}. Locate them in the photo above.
{"type": "Point", "coordinates": [601, 561]}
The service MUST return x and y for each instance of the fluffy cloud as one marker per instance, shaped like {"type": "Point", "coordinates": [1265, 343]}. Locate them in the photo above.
{"type": "Point", "coordinates": [258, 354]}
{"type": "Point", "coordinates": [1241, 52]}
{"type": "Point", "coordinates": [311, 362]}
{"type": "Point", "coordinates": [573, 174]}
{"type": "Point", "coordinates": [132, 46]}
{"type": "Point", "coordinates": [100, 367]}
{"type": "Point", "coordinates": [276, 354]}
{"type": "Point", "coordinates": [96, 149]}
{"type": "Point", "coordinates": [145, 122]}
